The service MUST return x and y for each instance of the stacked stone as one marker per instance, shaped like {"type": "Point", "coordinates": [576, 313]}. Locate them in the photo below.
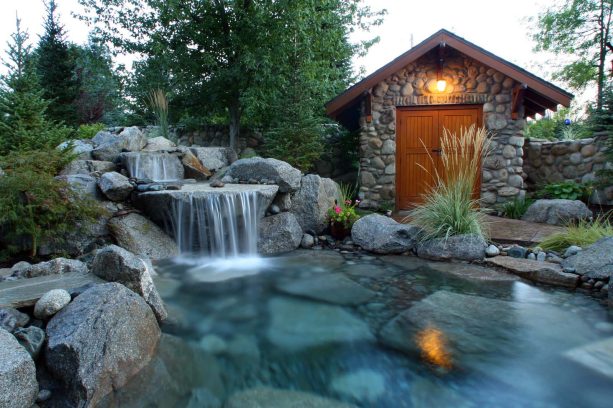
{"type": "Point", "coordinates": [468, 81]}
{"type": "Point", "coordinates": [574, 160]}
{"type": "Point", "coordinates": [219, 136]}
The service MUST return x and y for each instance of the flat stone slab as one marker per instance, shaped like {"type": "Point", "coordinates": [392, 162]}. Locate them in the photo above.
{"type": "Point", "coordinates": [510, 231]}
{"type": "Point", "coordinates": [596, 356]}
{"type": "Point", "coordinates": [536, 271]}
{"type": "Point", "coordinates": [329, 287]}
{"type": "Point", "coordinates": [472, 272]}
{"type": "Point", "coordinates": [25, 292]}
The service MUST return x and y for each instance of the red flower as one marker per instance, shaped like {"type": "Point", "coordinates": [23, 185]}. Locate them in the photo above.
{"type": "Point", "coordinates": [337, 209]}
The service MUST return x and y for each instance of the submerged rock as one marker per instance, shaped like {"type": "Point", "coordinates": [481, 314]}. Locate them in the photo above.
{"type": "Point", "coordinates": [461, 247]}
{"type": "Point", "coordinates": [115, 264]}
{"type": "Point", "coordinates": [312, 201]}
{"type": "Point", "coordinates": [275, 398]}
{"type": "Point", "coordinates": [595, 261]}
{"type": "Point", "coordinates": [141, 236]}
{"type": "Point", "coordinates": [99, 341]}
{"type": "Point", "coordinates": [557, 212]}
{"type": "Point", "coordinates": [278, 234]}
{"type": "Point", "coordinates": [329, 287]}
{"type": "Point", "coordinates": [363, 385]}
{"type": "Point", "coordinates": [298, 324]}
{"type": "Point", "coordinates": [18, 385]}
{"type": "Point", "coordinates": [273, 170]}
{"type": "Point", "coordinates": [383, 235]}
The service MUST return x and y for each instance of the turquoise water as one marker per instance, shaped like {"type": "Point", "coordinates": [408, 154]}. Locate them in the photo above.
{"type": "Point", "coordinates": [374, 332]}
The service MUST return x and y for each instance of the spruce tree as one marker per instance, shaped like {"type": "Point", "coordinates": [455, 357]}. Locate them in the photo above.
{"type": "Point", "coordinates": [23, 121]}
{"type": "Point", "coordinates": [56, 69]}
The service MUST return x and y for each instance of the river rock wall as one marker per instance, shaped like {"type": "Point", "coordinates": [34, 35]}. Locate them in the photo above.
{"type": "Point", "coordinates": [574, 160]}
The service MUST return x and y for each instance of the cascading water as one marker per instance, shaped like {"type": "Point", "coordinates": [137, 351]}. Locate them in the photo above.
{"type": "Point", "coordinates": [154, 166]}
{"type": "Point", "coordinates": [220, 225]}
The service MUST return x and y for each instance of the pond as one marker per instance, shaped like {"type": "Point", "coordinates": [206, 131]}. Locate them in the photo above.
{"type": "Point", "coordinates": [389, 331]}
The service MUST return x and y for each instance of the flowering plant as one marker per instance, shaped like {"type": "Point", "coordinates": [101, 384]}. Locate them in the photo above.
{"type": "Point", "coordinates": [344, 212]}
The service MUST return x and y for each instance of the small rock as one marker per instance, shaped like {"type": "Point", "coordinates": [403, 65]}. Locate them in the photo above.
{"type": "Point", "coordinates": [51, 303]}
{"type": "Point", "coordinates": [541, 256]}
{"type": "Point", "coordinates": [43, 395]}
{"type": "Point", "coordinates": [492, 250]}
{"type": "Point", "coordinates": [11, 319]}
{"type": "Point", "coordinates": [570, 269]}
{"type": "Point", "coordinates": [531, 256]}
{"type": "Point", "coordinates": [517, 252]}
{"type": "Point", "coordinates": [307, 241]}
{"type": "Point", "coordinates": [274, 209]}
{"type": "Point", "coordinates": [31, 338]}
{"type": "Point", "coordinates": [553, 258]}
{"type": "Point", "coordinates": [217, 183]}
{"type": "Point", "coordinates": [572, 250]}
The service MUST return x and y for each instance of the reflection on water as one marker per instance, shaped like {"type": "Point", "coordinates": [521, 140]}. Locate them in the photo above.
{"type": "Point", "coordinates": [243, 323]}
{"type": "Point", "coordinates": [433, 345]}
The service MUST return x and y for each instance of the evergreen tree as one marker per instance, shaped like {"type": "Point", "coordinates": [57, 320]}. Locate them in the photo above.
{"type": "Point", "coordinates": [23, 121]}
{"type": "Point", "coordinates": [56, 68]}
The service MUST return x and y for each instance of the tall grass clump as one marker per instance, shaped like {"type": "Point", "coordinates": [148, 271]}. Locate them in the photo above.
{"type": "Point", "coordinates": [159, 104]}
{"type": "Point", "coordinates": [516, 208]}
{"type": "Point", "coordinates": [449, 207]}
{"type": "Point", "coordinates": [582, 233]}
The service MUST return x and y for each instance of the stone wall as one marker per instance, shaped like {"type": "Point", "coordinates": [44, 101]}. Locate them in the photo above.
{"type": "Point", "coordinates": [219, 136]}
{"type": "Point", "coordinates": [576, 160]}
{"type": "Point", "coordinates": [469, 82]}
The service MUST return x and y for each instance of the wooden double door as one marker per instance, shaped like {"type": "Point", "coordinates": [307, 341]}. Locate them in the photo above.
{"type": "Point", "coordinates": [418, 139]}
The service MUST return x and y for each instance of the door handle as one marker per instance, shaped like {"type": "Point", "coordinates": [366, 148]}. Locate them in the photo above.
{"type": "Point", "coordinates": [437, 150]}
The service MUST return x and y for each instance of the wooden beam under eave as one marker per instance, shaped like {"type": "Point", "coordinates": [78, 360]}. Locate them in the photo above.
{"type": "Point", "coordinates": [518, 100]}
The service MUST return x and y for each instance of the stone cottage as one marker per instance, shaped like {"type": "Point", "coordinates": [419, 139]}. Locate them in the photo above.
{"type": "Point", "coordinates": [444, 82]}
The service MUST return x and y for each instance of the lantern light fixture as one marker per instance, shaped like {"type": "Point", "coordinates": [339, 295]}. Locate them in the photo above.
{"type": "Point", "coordinates": [441, 84]}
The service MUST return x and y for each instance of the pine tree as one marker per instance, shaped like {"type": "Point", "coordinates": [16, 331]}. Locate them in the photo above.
{"type": "Point", "coordinates": [56, 68]}
{"type": "Point", "coordinates": [23, 121]}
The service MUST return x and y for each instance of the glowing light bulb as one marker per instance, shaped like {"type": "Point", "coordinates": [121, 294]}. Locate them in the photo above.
{"type": "Point", "coordinates": [441, 84]}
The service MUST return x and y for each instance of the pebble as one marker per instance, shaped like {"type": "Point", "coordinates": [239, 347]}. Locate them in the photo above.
{"type": "Point", "coordinates": [541, 256]}
{"type": "Point", "coordinates": [217, 183]}
{"type": "Point", "coordinates": [571, 250]}
{"type": "Point", "coordinates": [492, 250]}
{"type": "Point", "coordinates": [43, 395]}
{"type": "Point", "coordinates": [517, 252]}
{"type": "Point", "coordinates": [531, 256]}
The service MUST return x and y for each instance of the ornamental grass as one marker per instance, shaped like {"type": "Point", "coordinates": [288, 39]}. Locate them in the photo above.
{"type": "Point", "coordinates": [582, 233]}
{"type": "Point", "coordinates": [449, 207]}
{"type": "Point", "coordinates": [159, 104]}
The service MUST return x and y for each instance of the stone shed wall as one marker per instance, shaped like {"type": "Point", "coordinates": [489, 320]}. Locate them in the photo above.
{"type": "Point", "coordinates": [469, 82]}
{"type": "Point", "coordinates": [575, 160]}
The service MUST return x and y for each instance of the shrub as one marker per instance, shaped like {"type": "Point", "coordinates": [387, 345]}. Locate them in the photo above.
{"type": "Point", "coordinates": [582, 234]}
{"type": "Point", "coordinates": [517, 208]}
{"type": "Point", "coordinates": [449, 208]}
{"type": "Point", "coordinates": [89, 130]}
{"type": "Point", "coordinates": [34, 206]}
{"type": "Point", "coordinates": [568, 190]}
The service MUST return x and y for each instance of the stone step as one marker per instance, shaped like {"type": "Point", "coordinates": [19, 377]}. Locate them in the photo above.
{"type": "Point", "coordinates": [596, 356]}
{"type": "Point", "coordinates": [536, 271]}
{"type": "Point", "coordinates": [25, 292]}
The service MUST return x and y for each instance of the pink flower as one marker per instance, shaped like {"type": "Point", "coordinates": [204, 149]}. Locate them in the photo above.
{"type": "Point", "coordinates": [348, 202]}
{"type": "Point", "coordinates": [337, 209]}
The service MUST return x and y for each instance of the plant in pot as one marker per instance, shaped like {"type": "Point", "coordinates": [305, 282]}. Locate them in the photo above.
{"type": "Point", "coordinates": [342, 215]}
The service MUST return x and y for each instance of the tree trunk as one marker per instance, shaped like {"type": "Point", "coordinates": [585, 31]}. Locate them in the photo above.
{"type": "Point", "coordinates": [235, 122]}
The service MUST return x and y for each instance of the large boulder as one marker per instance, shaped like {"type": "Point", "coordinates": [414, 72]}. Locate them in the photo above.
{"type": "Point", "coordinates": [115, 186]}
{"type": "Point", "coordinates": [557, 212]}
{"type": "Point", "coordinates": [276, 398]}
{"type": "Point", "coordinates": [383, 235]}
{"type": "Point", "coordinates": [57, 266]}
{"type": "Point", "coordinates": [115, 264]}
{"type": "Point", "coordinates": [461, 247]}
{"type": "Point", "coordinates": [83, 184]}
{"type": "Point", "coordinates": [213, 158]}
{"type": "Point", "coordinates": [18, 385]}
{"type": "Point", "coordinates": [595, 261]}
{"type": "Point", "coordinates": [87, 167]}
{"type": "Point", "coordinates": [108, 146]}
{"type": "Point", "coordinates": [141, 236]}
{"type": "Point", "coordinates": [312, 201]}
{"type": "Point", "coordinates": [193, 167]}
{"type": "Point", "coordinates": [265, 171]}
{"type": "Point", "coordinates": [98, 342]}
{"type": "Point", "coordinates": [160, 144]}
{"type": "Point", "coordinates": [279, 233]}
{"type": "Point", "coordinates": [82, 148]}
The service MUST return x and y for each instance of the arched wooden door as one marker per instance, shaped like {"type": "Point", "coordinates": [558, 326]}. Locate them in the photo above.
{"type": "Point", "coordinates": [418, 132]}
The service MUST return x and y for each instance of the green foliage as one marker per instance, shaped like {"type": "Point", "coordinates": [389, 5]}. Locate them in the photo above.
{"type": "Point", "coordinates": [344, 212]}
{"type": "Point", "coordinates": [554, 128]}
{"type": "Point", "coordinates": [516, 208]}
{"type": "Point", "coordinates": [23, 121]}
{"type": "Point", "coordinates": [580, 31]}
{"type": "Point", "coordinates": [34, 206]}
{"type": "Point", "coordinates": [235, 59]}
{"type": "Point", "coordinates": [56, 69]}
{"type": "Point", "coordinates": [582, 234]}
{"type": "Point", "coordinates": [89, 131]}
{"type": "Point", "coordinates": [601, 120]}
{"type": "Point", "coordinates": [568, 190]}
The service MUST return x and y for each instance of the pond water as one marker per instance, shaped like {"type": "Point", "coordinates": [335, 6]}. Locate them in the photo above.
{"type": "Point", "coordinates": [389, 331]}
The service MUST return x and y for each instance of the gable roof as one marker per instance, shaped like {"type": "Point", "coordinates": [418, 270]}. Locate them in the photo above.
{"type": "Point", "coordinates": [539, 94]}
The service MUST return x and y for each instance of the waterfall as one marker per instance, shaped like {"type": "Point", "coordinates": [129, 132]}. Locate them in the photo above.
{"type": "Point", "coordinates": [220, 225]}
{"type": "Point", "coordinates": [153, 166]}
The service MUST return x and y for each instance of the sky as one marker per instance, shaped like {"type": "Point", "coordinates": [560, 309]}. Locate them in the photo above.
{"type": "Point", "coordinates": [491, 24]}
